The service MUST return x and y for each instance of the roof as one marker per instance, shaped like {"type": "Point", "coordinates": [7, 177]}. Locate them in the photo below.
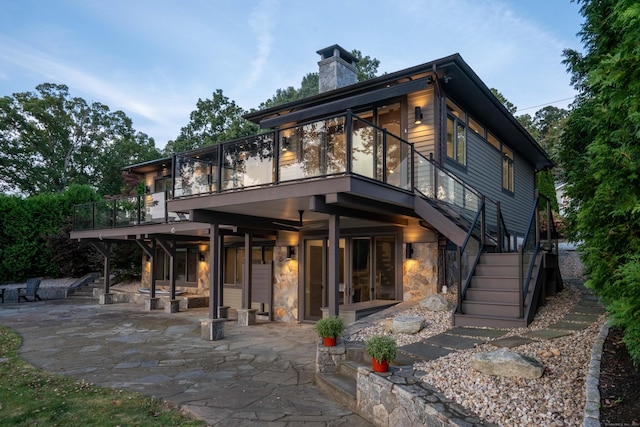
{"type": "Point", "coordinates": [458, 81]}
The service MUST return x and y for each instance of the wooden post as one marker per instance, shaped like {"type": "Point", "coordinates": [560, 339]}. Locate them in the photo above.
{"type": "Point", "coordinates": [333, 282]}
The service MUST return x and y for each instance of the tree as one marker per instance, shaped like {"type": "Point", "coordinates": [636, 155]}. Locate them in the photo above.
{"type": "Point", "coordinates": [508, 105]}
{"type": "Point", "coordinates": [49, 140]}
{"type": "Point", "coordinates": [367, 66]}
{"type": "Point", "coordinates": [600, 158]}
{"type": "Point", "coordinates": [213, 121]}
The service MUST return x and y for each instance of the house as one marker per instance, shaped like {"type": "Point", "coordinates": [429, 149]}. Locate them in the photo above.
{"type": "Point", "coordinates": [362, 196]}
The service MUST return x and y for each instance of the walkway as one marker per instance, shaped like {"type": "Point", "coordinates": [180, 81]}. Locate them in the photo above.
{"type": "Point", "coordinates": [258, 375]}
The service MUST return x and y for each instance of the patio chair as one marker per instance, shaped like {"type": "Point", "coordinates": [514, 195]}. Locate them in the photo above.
{"type": "Point", "coordinates": [30, 291]}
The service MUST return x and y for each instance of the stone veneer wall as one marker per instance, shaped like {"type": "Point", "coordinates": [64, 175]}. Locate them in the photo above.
{"type": "Point", "coordinates": [285, 286]}
{"type": "Point", "coordinates": [203, 277]}
{"type": "Point", "coordinates": [420, 273]}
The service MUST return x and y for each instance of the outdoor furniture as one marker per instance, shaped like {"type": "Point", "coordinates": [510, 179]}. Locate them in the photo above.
{"type": "Point", "coordinates": [30, 291]}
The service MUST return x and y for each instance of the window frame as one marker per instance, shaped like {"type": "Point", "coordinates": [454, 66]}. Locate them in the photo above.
{"type": "Point", "coordinates": [458, 119]}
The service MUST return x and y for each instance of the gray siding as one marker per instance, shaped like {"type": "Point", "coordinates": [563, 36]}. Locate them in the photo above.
{"type": "Point", "coordinates": [422, 135]}
{"type": "Point", "coordinates": [484, 172]}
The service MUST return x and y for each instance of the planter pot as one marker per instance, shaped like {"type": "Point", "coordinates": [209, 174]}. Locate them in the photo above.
{"type": "Point", "coordinates": [380, 366]}
{"type": "Point", "coordinates": [329, 341]}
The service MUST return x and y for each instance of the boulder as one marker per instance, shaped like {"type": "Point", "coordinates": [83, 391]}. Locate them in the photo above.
{"type": "Point", "coordinates": [408, 324]}
{"type": "Point", "coordinates": [435, 302]}
{"type": "Point", "coordinates": [506, 363]}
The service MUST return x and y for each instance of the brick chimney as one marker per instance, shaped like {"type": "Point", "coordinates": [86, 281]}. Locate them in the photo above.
{"type": "Point", "coordinates": [337, 68]}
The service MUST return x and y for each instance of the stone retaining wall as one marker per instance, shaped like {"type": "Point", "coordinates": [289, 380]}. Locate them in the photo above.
{"type": "Point", "coordinates": [397, 397]}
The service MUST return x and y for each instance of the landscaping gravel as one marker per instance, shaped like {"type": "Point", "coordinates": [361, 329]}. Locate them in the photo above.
{"type": "Point", "coordinates": [555, 399]}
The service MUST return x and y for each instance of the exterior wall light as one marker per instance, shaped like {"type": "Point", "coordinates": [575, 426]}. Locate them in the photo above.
{"type": "Point", "coordinates": [409, 251]}
{"type": "Point", "coordinates": [201, 257]}
{"type": "Point", "coordinates": [418, 115]}
{"type": "Point", "coordinates": [290, 252]}
{"type": "Point", "coordinates": [284, 141]}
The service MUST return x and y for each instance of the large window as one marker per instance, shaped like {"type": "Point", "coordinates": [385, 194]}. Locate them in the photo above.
{"type": "Point", "coordinates": [456, 134]}
{"type": "Point", "coordinates": [234, 262]}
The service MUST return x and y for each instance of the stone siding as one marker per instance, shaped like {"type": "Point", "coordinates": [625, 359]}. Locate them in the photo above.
{"type": "Point", "coordinates": [420, 273]}
{"type": "Point", "coordinates": [285, 286]}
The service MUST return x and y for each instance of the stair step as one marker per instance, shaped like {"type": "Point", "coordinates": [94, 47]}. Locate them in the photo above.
{"type": "Point", "coordinates": [496, 270]}
{"type": "Point", "coordinates": [340, 387]}
{"type": "Point", "coordinates": [488, 321]}
{"type": "Point", "coordinates": [492, 295]}
{"type": "Point", "coordinates": [490, 308]}
{"type": "Point", "coordinates": [499, 258]}
{"type": "Point", "coordinates": [349, 368]}
{"type": "Point", "coordinates": [494, 282]}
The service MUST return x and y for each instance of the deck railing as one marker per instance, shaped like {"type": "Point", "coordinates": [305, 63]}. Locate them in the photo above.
{"type": "Point", "coordinates": [344, 144]}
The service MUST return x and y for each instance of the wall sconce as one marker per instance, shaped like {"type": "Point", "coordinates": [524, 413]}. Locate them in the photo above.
{"type": "Point", "coordinates": [418, 115]}
{"type": "Point", "coordinates": [147, 189]}
{"type": "Point", "coordinates": [148, 258]}
{"type": "Point", "coordinates": [201, 257]}
{"type": "Point", "coordinates": [408, 251]}
{"type": "Point", "coordinates": [284, 142]}
{"type": "Point", "coordinates": [290, 252]}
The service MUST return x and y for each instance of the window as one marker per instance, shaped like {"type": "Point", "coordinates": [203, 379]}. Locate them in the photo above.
{"type": "Point", "coordinates": [476, 127]}
{"type": "Point", "coordinates": [507, 169]}
{"type": "Point", "coordinates": [186, 266]}
{"type": "Point", "coordinates": [456, 134]}
{"type": "Point", "coordinates": [493, 140]}
{"type": "Point", "coordinates": [234, 262]}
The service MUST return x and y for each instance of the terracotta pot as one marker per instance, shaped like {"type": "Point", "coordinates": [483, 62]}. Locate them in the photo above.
{"type": "Point", "coordinates": [329, 341]}
{"type": "Point", "coordinates": [380, 366]}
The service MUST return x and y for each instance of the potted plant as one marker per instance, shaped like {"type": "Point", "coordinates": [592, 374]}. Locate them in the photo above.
{"type": "Point", "coordinates": [329, 329]}
{"type": "Point", "coordinates": [382, 349]}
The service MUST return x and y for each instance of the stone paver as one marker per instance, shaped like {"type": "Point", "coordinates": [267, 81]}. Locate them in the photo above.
{"type": "Point", "coordinates": [581, 317]}
{"type": "Point", "coordinates": [509, 342]}
{"type": "Point", "coordinates": [477, 332]}
{"type": "Point", "coordinates": [257, 375]}
{"type": "Point", "coordinates": [569, 326]}
{"type": "Point", "coordinates": [547, 334]}
{"type": "Point", "coordinates": [425, 351]}
{"type": "Point", "coordinates": [453, 341]}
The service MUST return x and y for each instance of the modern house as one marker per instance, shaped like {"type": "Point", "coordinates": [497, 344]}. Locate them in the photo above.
{"type": "Point", "coordinates": [362, 196]}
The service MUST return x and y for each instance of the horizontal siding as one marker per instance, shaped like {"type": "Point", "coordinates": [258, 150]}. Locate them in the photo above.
{"type": "Point", "coordinates": [484, 172]}
{"type": "Point", "coordinates": [423, 135]}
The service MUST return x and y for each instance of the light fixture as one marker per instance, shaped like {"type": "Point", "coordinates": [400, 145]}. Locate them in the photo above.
{"type": "Point", "coordinates": [290, 252]}
{"type": "Point", "coordinates": [148, 258]}
{"type": "Point", "coordinates": [418, 115]}
{"type": "Point", "coordinates": [284, 142]}
{"type": "Point", "coordinates": [409, 251]}
{"type": "Point", "coordinates": [201, 257]}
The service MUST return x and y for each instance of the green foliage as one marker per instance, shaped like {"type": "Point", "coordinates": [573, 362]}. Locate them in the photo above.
{"type": "Point", "coordinates": [382, 348]}
{"type": "Point", "coordinates": [213, 121]}
{"type": "Point", "coordinates": [26, 226]}
{"type": "Point", "coordinates": [330, 327]}
{"type": "Point", "coordinates": [32, 397]}
{"type": "Point", "coordinates": [50, 140]}
{"type": "Point", "coordinates": [546, 185]}
{"type": "Point", "coordinates": [600, 158]}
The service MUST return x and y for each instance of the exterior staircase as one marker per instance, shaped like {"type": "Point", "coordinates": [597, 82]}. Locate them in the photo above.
{"type": "Point", "coordinates": [85, 290]}
{"type": "Point", "coordinates": [493, 296]}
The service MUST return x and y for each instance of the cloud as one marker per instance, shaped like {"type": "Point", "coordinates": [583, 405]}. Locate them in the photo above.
{"type": "Point", "coordinates": [261, 22]}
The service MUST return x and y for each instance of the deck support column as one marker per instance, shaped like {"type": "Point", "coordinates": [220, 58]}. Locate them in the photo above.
{"type": "Point", "coordinates": [333, 278]}
{"type": "Point", "coordinates": [105, 249]}
{"type": "Point", "coordinates": [212, 328]}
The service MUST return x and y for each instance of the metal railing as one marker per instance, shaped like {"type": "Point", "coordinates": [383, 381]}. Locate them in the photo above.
{"type": "Point", "coordinates": [532, 244]}
{"type": "Point", "coordinates": [335, 145]}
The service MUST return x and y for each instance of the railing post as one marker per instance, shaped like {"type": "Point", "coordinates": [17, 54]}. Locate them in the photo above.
{"type": "Point", "coordinates": [549, 224]}
{"type": "Point", "coordinates": [384, 156]}
{"type": "Point", "coordinates": [499, 227]}
{"type": "Point", "coordinates": [483, 219]}
{"type": "Point", "coordinates": [114, 214]}
{"type": "Point", "coordinates": [93, 215]}
{"type": "Point", "coordinates": [537, 216]}
{"type": "Point", "coordinates": [349, 140]}
{"type": "Point", "coordinates": [174, 174]}
{"type": "Point", "coordinates": [139, 208]}
{"type": "Point", "coordinates": [435, 176]}
{"type": "Point", "coordinates": [219, 171]}
{"type": "Point", "coordinates": [278, 150]}
{"type": "Point", "coordinates": [412, 161]}
{"type": "Point", "coordinates": [459, 262]}
{"type": "Point", "coordinates": [520, 281]}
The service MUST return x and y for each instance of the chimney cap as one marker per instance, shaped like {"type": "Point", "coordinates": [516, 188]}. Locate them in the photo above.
{"type": "Point", "coordinates": [337, 50]}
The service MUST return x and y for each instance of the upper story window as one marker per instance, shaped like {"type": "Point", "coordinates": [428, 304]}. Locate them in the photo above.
{"type": "Point", "coordinates": [507, 169]}
{"type": "Point", "coordinates": [456, 134]}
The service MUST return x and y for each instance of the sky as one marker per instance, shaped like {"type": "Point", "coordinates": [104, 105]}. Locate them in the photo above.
{"type": "Point", "coordinates": [153, 59]}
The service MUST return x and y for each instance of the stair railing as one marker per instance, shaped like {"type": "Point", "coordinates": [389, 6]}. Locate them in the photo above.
{"type": "Point", "coordinates": [466, 248]}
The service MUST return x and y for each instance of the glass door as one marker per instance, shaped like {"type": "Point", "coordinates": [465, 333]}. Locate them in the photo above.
{"type": "Point", "coordinates": [316, 274]}
{"type": "Point", "coordinates": [373, 269]}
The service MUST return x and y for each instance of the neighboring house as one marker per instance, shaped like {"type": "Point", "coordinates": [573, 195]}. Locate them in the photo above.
{"type": "Point", "coordinates": [351, 199]}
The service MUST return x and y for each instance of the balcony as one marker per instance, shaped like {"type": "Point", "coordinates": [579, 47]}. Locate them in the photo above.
{"type": "Point", "coordinates": [342, 145]}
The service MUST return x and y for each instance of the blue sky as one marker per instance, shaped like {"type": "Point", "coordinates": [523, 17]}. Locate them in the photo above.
{"type": "Point", "coordinates": [153, 59]}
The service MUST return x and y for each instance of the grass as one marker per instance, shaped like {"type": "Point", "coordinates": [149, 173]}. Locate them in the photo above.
{"type": "Point", "coordinates": [32, 397]}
